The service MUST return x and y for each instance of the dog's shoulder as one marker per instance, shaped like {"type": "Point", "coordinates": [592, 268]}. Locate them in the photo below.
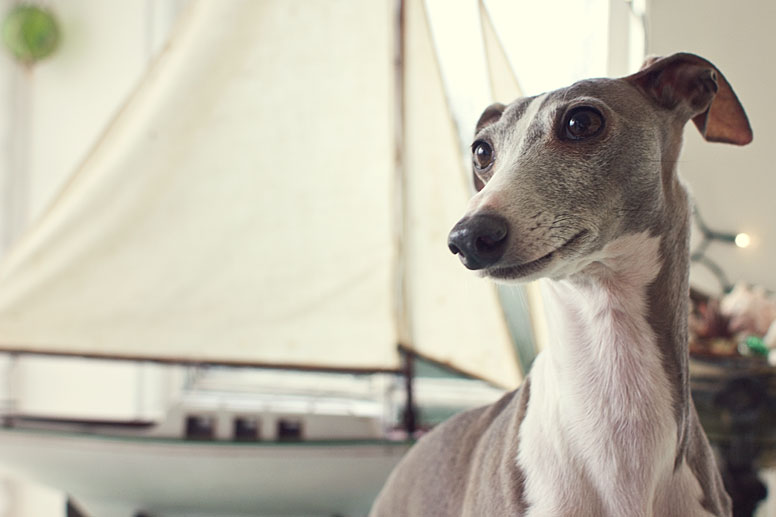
{"type": "Point", "coordinates": [442, 473]}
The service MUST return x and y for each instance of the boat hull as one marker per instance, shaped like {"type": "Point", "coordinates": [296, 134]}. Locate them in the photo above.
{"type": "Point", "coordinates": [176, 477]}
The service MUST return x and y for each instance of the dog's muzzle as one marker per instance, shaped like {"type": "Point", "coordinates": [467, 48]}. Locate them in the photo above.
{"type": "Point", "coordinates": [479, 240]}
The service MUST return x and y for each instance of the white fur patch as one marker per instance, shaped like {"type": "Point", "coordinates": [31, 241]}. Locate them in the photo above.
{"type": "Point", "coordinates": [521, 129]}
{"type": "Point", "coordinates": [599, 435]}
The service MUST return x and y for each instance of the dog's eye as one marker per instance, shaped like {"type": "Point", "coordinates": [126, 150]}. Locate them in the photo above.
{"type": "Point", "coordinates": [581, 123]}
{"type": "Point", "coordinates": [483, 154]}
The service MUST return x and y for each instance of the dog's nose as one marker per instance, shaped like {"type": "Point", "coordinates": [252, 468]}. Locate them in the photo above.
{"type": "Point", "coordinates": [480, 240]}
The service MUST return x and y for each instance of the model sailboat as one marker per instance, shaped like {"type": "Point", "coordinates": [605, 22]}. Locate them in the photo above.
{"type": "Point", "coordinates": [275, 194]}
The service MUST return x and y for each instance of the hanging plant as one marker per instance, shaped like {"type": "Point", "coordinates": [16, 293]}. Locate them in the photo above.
{"type": "Point", "coordinates": [30, 33]}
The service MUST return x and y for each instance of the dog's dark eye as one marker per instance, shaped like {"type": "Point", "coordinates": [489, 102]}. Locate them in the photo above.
{"type": "Point", "coordinates": [581, 123]}
{"type": "Point", "coordinates": [483, 155]}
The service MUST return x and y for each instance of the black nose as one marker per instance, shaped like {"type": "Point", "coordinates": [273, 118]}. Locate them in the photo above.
{"type": "Point", "coordinates": [480, 240]}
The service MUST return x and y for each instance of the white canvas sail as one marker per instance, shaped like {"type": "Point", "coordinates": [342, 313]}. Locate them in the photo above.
{"type": "Point", "coordinates": [446, 325]}
{"type": "Point", "coordinates": [242, 208]}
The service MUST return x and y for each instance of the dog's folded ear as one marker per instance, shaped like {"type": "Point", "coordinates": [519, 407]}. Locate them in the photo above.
{"type": "Point", "coordinates": [696, 88]}
{"type": "Point", "coordinates": [491, 114]}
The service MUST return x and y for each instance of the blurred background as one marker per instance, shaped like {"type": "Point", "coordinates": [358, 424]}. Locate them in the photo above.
{"type": "Point", "coordinates": [224, 281]}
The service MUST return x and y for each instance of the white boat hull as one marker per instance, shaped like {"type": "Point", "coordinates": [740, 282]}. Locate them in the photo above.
{"type": "Point", "coordinates": [169, 477]}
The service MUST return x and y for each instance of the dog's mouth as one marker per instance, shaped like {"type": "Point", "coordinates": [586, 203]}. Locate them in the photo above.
{"type": "Point", "coordinates": [525, 269]}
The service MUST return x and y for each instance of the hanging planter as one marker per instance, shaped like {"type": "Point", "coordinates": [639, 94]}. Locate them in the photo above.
{"type": "Point", "coordinates": [30, 33]}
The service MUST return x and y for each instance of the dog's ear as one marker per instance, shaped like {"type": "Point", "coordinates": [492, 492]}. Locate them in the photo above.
{"type": "Point", "coordinates": [491, 114]}
{"type": "Point", "coordinates": [649, 61]}
{"type": "Point", "coordinates": [694, 86]}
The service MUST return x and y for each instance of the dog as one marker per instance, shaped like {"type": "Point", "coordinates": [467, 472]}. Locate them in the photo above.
{"type": "Point", "coordinates": [579, 187]}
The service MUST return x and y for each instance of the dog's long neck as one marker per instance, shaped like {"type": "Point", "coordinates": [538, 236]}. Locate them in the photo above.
{"type": "Point", "coordinates": [617, 360]}
{"type": "Point", "coordinates": [668, 305]}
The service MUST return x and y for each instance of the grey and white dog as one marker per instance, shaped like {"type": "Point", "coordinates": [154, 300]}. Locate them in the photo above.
{"type": "Point", "coordinates": [579, 186]}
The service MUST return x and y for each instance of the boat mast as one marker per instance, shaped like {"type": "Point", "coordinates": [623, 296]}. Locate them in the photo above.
{"type": "Point", "coordinates": [402, 314]}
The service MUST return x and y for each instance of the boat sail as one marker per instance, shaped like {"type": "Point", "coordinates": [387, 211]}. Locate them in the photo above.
{"type": "Point", "coordinates": [250, 205]}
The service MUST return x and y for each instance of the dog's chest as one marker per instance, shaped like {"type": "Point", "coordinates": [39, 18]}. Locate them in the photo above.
{"type": "Point", "coordinates": [601, 467]}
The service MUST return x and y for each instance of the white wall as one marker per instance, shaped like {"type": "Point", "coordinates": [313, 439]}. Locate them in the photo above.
{"type": "Point", "coordinates": [734, 186]}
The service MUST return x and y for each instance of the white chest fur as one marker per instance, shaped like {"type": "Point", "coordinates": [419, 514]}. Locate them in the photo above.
{"type": "Point", "coordinates": [599, 436]}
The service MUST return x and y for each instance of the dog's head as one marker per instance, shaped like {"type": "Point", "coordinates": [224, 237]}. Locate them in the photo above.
{"type": "Point", "coordinates": [562, 174]}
